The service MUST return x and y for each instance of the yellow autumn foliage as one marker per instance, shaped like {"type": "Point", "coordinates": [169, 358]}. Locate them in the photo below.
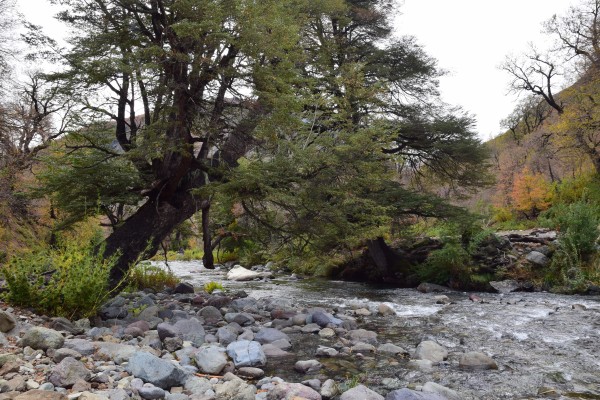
{"type": "Point", "coordinates": [531, 192]}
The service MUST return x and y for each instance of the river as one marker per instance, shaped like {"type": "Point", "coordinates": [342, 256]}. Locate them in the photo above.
{"type": "Point", "coordinates": [547, 346]}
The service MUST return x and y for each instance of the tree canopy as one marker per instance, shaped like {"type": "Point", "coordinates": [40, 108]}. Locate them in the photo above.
{"type": "Point", "coordinates": [312, 115]}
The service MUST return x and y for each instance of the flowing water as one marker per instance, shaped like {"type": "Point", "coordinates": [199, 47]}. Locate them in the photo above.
{"type": "Point", "coordinates": [546, 346]}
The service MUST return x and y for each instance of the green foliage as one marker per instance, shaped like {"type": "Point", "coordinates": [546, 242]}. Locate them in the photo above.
{"type": "Point", "coordinates": [69, 280]}
{"type": "Point", "coordinates": [577, 224]}
{"type": "Point", "coordinates": [575, 261]}
{"type": "Point", "coordinates": [88, 182]}
{"type": "Point", "coordinates": [584, 186]}
{"type": "Point", "coordinates": [351, 381]}
{"type": "Point", "coordinates": [192, 254]}
{"type": "Point", "coordinates": [147, 276]}
{"type": "Point", "coordinates": [448, 265]}
{"type": "Point", "coordinates": [210, 287]}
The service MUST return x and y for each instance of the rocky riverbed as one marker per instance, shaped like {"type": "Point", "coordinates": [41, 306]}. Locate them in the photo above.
{"type": "Point", "coordinates": [306, 339]}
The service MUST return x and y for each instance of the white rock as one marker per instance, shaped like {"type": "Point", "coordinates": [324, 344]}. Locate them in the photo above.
{"type": "Point", "coordinates": [239, 273]}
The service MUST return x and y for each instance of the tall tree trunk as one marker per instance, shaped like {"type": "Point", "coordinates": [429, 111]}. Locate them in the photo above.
{"type": "Point", "coordinates": [207, 259]}
{"type": "Point", "coordinates": [140, 235]}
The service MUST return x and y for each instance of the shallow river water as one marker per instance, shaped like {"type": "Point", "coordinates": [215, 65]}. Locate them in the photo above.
{"type": "Point", "coordinates": [546, 346]}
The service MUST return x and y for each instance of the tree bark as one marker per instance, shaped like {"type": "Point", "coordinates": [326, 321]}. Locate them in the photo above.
{"type": "Point", "coordinates": [384, 257]}
{"type": "Point", "coordinates": [207, 259]}
{"type": "Point", "coordinates": [140, 235]}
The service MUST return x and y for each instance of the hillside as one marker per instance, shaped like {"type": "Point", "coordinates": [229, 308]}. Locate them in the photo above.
{"type": "Point", "coordinates": [542, 156]}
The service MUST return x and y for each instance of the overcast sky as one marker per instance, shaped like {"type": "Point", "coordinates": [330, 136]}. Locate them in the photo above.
{"type": "Point", "coordinates": [469, 38]}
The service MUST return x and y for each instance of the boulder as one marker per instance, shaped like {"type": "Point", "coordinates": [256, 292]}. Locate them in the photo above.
{"type": "Point", "coordinates": [323, 319]}
{"type": "Point", "coordinates": [327, 333]}
{"type": "Point", "coordinates": [186, 329]}
{"type": "Point", "coordinates": [82, 346]}
{"type": "Point", "coordinates": [329, 389]}
{"type": "Point", "coordinates": [211, 314]}
{"type": "Point", "coordinates": [242, 319]}
{"type": "Point", "coordinates": [307, 366]}
{"type": "Point", "coordinates": [210, 359]}
{"type": "Point", "coordinates": [40, 338]}
{"type": "Point", "coordinates": [432, 387]}
{"type": "Point", "coordinates": [391, 349]}
{"type": "Point", "coordinates": [361, 392]}
{"type": "Point", "coordinates": [7, 321]}
{"type": "Point", "coordinates": [430, 350]}
{"type": "Point", "coordinates": [151, 392]}
{"type": "Point", "coordinates": [63, 353]}
{"type": "Point", "coordinates": [269, 335]}
{"type": "Point", "coordinates": [385, 309]}
{"type": "Point", "coordinates": [68, 372]}
{"type": "Point", "coordinates": [506, 286]}
{"type": "Point", "coordinates": [311, 328]}
{"type": "Point", "coordinates": [235, 389]}
{"type": "Point", "coordinates": [290, 391]}
{"type": "Point", "coordinates": [538, 259]}
{"type": "Point", "coordinates": [420, 365]}
{"type": "Point", "coordinates": [63, 324]}
{"type": "Point", "coordinates": [183, 288]}
{"type": "Point", "coordinates": [251, 372]}
{"type": "Point", "coordinates": [361, 347]}
{"type": "Point", "coordinates": [154, 370]}
{"type": "Point", "coordinates": [113, 312]}
{"type": "Point", "coordinates": [323, 351]}
{"type": "Point", "coordinates": [247, 353]}
{"type": "Point", "coordinates": [41, 395]}
{"type": "Point", "coordinates": [197, 386]}
{"type": "Point", "coordinates": [239, 273]}
{"type": "Point", "coordinates": [272, 351]}
{"type": "Point", "coordinates": [226, 335]}
{"type": "Point", "coordinates": [117, 352]}
{"type": "Point", "coordinates": [407, 394]}
{"type": "Point", "coordinates": [363, 335]}
{"type": "Point", "coordinates": [190, 330]}
{"type": "Point", "coordinates": [475, 361]}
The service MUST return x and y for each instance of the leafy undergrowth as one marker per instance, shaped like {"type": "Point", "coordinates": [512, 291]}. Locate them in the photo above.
{"type": "Point", "coordinates": [67, 280]}
{"type": "Point", "coordinates": [147, 276]}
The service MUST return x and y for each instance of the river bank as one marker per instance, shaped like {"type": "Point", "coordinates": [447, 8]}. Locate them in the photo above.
{"type": "Point", "coordinates": [462, 345]}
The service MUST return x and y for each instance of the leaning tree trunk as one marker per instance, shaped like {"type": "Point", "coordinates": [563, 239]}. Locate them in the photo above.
{"type": "Point", "coordinates": [141, 234]}
{"type": "Point", "coordinates": [387, 260]}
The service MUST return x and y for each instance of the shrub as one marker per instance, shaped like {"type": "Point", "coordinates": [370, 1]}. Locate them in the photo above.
{"type": "Point", "coordinates": [148, 276]}
{"type": "Point", "coordinates": [192, 254]}
{"type": "Point", "coordinates": [210, 287]}
{"type": "Point", "coordinates": [576, 223]}
{"type": "Point", "coordinates": [446, 265]}
{"type": "Point", "coordinates": [574, 264]}
{"type": "Point", "coordinates": [70, 280]}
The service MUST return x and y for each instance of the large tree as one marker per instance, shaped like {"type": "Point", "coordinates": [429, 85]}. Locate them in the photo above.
{"type": "Point", "coordinates": [182, 85]}
{"type": "Point", "coordinates": [368, 109]}
{"type": "Point", "coordinates": [300, 108]}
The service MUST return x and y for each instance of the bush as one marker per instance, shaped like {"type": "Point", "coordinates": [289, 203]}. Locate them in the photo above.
{"type": "Point", "coordinates": [192, 254]}
{"type": "Point", "coordinates": [446, 265]}
{"type": "Point", "coordinates": [577, 223]}
{"type": "Point", "coordinates": [574, 264]}
{"type": "Point", "coordinates": [210, 287]}
{"type": "Point", "coordinates": [70, 280]}
{"type": "Point", "coordinates": [148, 276]}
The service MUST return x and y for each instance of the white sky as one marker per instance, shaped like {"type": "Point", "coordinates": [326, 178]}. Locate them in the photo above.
{"type": "Point", "coordinates": [469, 38]}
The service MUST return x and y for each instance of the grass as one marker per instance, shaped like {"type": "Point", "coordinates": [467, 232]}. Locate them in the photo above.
{"type": "Point", "coordinates": [147, 276]}
{"type": "Point", "coordinates": [210, 287]}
